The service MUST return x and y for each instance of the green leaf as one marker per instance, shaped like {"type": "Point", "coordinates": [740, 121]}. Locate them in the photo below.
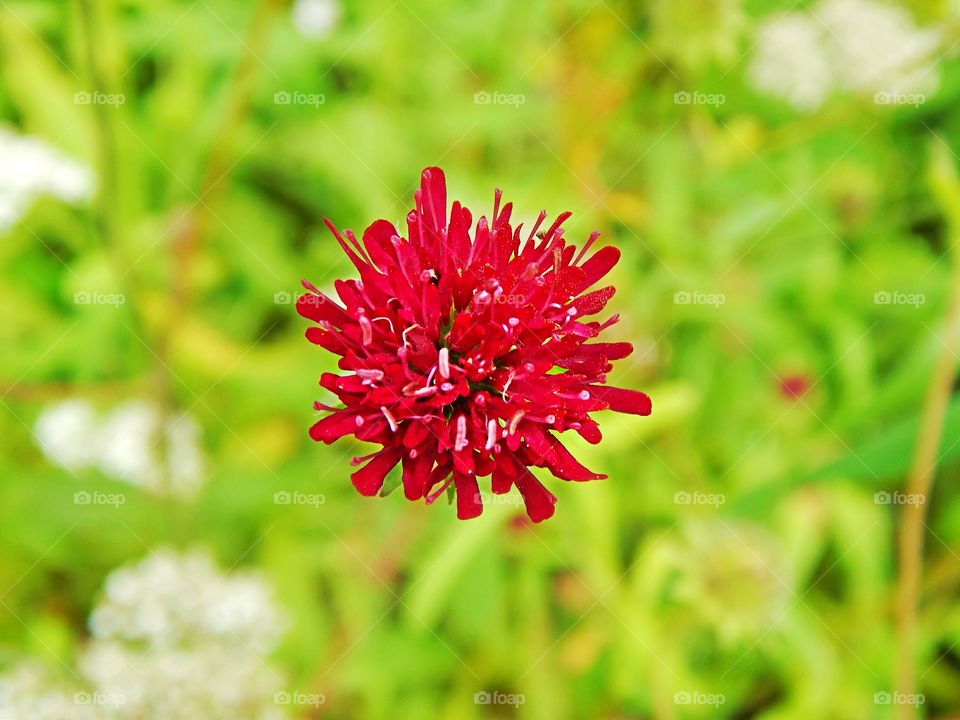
{"type": "Point", "coordinates": [392, 481]}
{"type": "Point", "coordinates": [888, 456]}
{"type": "Point", "coordinates": [872, 464]}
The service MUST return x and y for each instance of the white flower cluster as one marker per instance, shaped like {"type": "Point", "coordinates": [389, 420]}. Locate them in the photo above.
{"type": "Point", "coordinates": [167, 599]}
{"type": "Point", "coordinates": [316, 19]}
{"type": "Point", "coordinates": [173, 639]}
{"type": "Point", "coordinates": [135, 443]}
{"type": "Point", "coordinates": [862, 46]}
{"type": "Point", "coordinates": [29, 168]}
{"type": "Point", "coordinates": [26, 695]}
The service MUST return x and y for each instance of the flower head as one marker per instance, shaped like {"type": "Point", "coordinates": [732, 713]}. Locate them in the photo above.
{"type": "Point", "coordinates": [466, 348]}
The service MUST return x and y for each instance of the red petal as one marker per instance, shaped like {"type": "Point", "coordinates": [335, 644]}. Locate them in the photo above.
{"type": "Point", "coordinates": [599, 265]}
{"type": "Point", "coordinates": [376, 241]}
{"type": "Point", "coordinates": [538, 500]}
{"type": "Point", "coordinates": [469, 504]}
{"type": "Point", "coordinates": [369, 479]}
{"type": "Point", "coordinates": [334, 426]}
{"type": "Point", "coordinates": [415, 433]}
{"type": "Point", "coordinates": [565, 466]}
{"type": "Point", "coordinates": [317, 307]}
{"type": "Point", "coordinates": [330, 341]}
{"type": "Point", "coordinates": [416, 473]}
{"type": "Point", "coordinates": [547, 451]}
{"type": "Point", "coordinates": [598, 351]}
{"type": "Point", "coordinates": [622, 400]}
{"type": "Point", "coordinates": [434, 187]}
{"type": "Point", "coordinates": [504, 473]}
{"type": "Point", "coordinates": [590, 431]}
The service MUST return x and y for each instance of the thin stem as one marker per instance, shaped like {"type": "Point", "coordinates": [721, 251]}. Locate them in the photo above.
{"type": "Point", "coordinates": [106, 142]}
{"type": "Point", "coordinates": [920, 480]}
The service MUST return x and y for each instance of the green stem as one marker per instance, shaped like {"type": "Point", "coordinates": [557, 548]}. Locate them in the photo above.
{"type": "Point", "coordinates": [920, 479]}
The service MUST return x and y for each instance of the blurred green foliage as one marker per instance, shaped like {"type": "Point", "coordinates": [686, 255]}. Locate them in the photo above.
{"type": "Point", "coordinates": [768, 581]}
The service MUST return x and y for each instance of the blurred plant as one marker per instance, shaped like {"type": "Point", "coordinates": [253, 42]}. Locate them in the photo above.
{"type": "Point", "coordinates": [175, 638]}
{"type": "Point", "coordinates": [733, 579]}
{"type": "Point", "coordinates": [26, 694]}
{"type": "Point", "coordinates": [945, 184]}
{"type": "Point", "coordinates": [861, 46]}
{"type": "Point", "coordinates": [697, 32]}
{"type": "Point", "coordinates": [135, 443]}
{"type": "Point", "coordinates": [316, 19]}
{"type": "Point", "coordinates": [29, 169]}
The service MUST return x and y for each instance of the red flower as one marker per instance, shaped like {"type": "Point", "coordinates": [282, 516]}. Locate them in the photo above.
{"type": "Point", "coordinates": [465, 350]}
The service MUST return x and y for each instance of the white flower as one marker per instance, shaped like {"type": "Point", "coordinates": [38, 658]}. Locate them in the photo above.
{"type": "Point", "coordinates": [878, 48]}
{"type": "Point", "coordinates": [205, 680]}
{"type": "Point", "coordinates": [129, 438]}
{"type": "Point", "coordinates": [29, 168]}
{"type": "Point", "coordinates": [315, 19]}
{"type": "Point", "coordinates": [176, 638]}
{"type": "Point", "coordinates": [861, 46]}
{"type": "Point", "coordinates": [25, 694]}
{"type": "Point", "coordinates": [67, 433]}
{"type": "Point", "coordinates": [167, 598]}
{"type": "Point", "coordinates": [135, 443]}
{"type": "Point", "coordinates": [790, 61]}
